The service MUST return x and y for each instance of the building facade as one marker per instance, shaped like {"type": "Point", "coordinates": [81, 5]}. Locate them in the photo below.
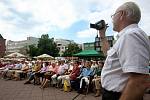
{"type": "Point", "coordinates": [97, 44]}
{"type": "Point", "coordinates": [20, 46]}
{"type": "Point", "coordinates": [62, 44]}
{"type": "Point", "coordinates": [110, 40]}
{"type": "Point", "coordinates": [2, 46]}
{"type": "Point", "coordinates": [88, 46]}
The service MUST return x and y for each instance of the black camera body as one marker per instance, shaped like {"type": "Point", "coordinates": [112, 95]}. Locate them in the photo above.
{"type": "Point", "coordinates": [98, 25]}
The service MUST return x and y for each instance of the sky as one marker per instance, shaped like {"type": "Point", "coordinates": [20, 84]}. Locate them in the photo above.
{"type": "Point", "coordinates": [65, 19]}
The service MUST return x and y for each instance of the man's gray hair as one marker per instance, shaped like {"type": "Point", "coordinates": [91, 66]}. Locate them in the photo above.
{"type": "Point", "coordinates": [133, 11]}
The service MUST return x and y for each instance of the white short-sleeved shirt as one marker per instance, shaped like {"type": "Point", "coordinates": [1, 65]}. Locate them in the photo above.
{"type": "Point", "coordinates": [130, 53]}
{"type": "Point", "coordinates": [62, 69]}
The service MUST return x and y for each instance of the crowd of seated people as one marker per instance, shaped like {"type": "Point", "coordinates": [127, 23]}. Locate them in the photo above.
{"type": "Point", "coordinates": [14, 70]}
{"type": "Point", "coordinates": [73, 75]}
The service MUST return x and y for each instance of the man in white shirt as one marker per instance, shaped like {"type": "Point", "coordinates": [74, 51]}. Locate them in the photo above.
{"type": "Point", "coordinates": [63, 68]}
{"type": "Point", "coordinates": [125, 71]}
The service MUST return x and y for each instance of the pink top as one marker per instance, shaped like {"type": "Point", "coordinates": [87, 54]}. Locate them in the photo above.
{"type": "Point", "coordinates": [53, 69]}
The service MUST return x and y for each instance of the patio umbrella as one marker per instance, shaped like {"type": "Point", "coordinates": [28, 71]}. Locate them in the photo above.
{"type": "Point", "coordinates": [15, 55]}
{"type": "Point", "coordinates": [88, 53]}
{"type": "Point", "coordinates": [45, 56]}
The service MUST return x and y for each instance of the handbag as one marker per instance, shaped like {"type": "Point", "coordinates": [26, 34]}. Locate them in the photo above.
{"type": "Point", "coordinates": [66, 86]}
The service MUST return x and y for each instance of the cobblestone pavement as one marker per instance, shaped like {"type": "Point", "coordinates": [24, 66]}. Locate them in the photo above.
{"type": "Point", "coordinates": [16, 90]}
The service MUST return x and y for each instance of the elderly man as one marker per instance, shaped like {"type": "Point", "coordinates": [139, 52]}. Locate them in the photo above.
{"type": "Point", "coordinates": [13, 68]}
{"type": "Point", "coordinates": [62, 70]}
{"type": "Point", "coordinates": [18, 74]}
{"type": "Point", "coordinates": [72, 76]}
{"type": "Point", "coordinates": [97, 79]}
{"type": "Point", "coordinates": [85, 76]}
{"type": "Point", "coordinates": [125, 71]}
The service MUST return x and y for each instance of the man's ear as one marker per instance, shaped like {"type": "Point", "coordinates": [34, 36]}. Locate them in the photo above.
{"type": "Point", "coordinates": [123, 14]}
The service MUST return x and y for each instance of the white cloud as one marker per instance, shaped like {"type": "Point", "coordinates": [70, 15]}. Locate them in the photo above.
{"type": "Point", "coordinates": [86, 33]}
{"type": "Point", "coordinates": [48, 13]}
{"type": "Point", "coordinates": [105, 11]}
{"type": "Point", "coordinates": [22, 18]}
{"type": "Point", "coordinates": [57, 13]}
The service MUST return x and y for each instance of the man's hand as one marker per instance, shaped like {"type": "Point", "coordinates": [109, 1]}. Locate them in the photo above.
{"type": "Point", "coordinates": [104, 42]}
{"type": "Point", "coordinates": [102, 32]}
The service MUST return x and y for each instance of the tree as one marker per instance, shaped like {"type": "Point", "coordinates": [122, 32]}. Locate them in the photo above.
{"type": "Point", "coordinates": [73, 48]}
{"type": "Point", "coordinates": [33, 51]}
{"type": "Point", "coordinates": [47, 45]}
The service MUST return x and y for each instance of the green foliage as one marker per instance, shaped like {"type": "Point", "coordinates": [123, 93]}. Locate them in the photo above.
{"type": "Point", "coordinates": [72, 49]}
{"type": "Point", "coordinates": [33, 51]}
{"type": "Point", "coordinates": [47, 45]}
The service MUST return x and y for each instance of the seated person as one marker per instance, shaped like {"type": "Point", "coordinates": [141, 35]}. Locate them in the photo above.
{"type": "Point", "coordinates": [5, 69]}
{"type": "Point", "coordinates": [97, 79]}
{"type": "Point", "coordinates": [40, 73]}
{"type": "Point", "coordinates": [73, 75]}
{"type": "Point", "coordinates": [85, 75]}
{"type": "Point", "coordinates": [52, 69]}
{"type": "Point", "coordinates": [35, 68]}
{"type": "Point", "coordinates": [94, 65]}
{"type": "Point", "coordinates": [62, 70]}
{"type": "Point", "coordinates": [12, 68]}
{"type": "Point", "coordinates": [54, 77]}
{"type": "Point", "coordinates": [66, 74]}
{"type": "Point", "coordinates": [17, 73]}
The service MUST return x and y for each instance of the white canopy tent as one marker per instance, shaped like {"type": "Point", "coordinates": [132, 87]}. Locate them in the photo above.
{"type": "Point", "coordinates": [45, 56]}
{"type": "Point", "coordinates": [15, 55]}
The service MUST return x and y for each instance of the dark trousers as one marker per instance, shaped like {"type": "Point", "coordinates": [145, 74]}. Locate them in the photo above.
{"type": "Point", "coordinates": [31, 77]}
{"type": "Point", "coordinates": [75, 85]}
{"type": "Point", "coordinates": [110, 95]}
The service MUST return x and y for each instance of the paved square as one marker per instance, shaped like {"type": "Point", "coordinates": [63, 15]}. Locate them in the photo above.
{"type": "Point", "coordinates": [16, 90]}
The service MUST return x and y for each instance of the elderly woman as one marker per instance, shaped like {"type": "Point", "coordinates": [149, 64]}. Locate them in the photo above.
{"type": "Point", "coordinates": [41, 73]}
{"type": "Point", "coordinates": [51, 70]}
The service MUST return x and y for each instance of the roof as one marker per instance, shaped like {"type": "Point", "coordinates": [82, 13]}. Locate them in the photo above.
{"type": "Point", "coordinates": [89, 53]}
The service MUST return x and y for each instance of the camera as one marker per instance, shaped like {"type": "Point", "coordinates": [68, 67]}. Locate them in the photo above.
{"type": "Point", "coordinates": [98, 25]}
